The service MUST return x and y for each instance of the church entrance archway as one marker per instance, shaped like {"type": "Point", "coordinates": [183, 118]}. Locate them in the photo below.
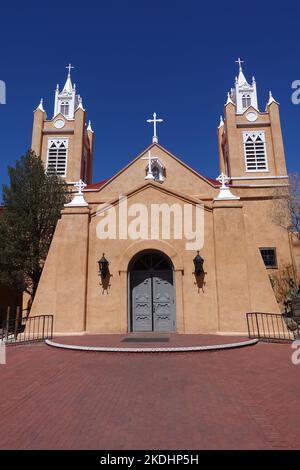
{"type": "Point", "coordinates": [151, 292]}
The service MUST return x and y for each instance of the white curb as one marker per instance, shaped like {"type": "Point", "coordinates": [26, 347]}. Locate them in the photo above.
{"type": "Point", "coordinates": [143, 350]}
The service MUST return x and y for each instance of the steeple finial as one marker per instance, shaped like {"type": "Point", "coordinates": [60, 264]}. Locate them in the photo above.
{"type": "Point", "coordinates": [41, 106]}
{"type": "Point", "coordinates": [229, 100]}
{"type": "Point", "coordinates": [69, 67]}
{"type": "Point", "coordinates": [271, 99]}
{"type": "Point", "coordinates": [89, 127]}
{"type": "Point", "coordinates": [240, 62]}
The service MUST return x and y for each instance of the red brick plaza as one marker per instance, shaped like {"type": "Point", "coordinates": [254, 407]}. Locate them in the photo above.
{"type": "Point", "coordinates": [244, 398]}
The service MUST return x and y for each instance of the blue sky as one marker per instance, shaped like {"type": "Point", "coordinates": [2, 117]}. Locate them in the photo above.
{"type": "Point", "coordinates": [132, 58]}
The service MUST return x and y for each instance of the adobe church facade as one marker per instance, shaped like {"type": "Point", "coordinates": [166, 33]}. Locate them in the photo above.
{"type": "Point", "coordinates": [109, 271]}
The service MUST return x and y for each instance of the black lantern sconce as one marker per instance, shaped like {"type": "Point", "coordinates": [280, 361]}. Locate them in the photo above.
{"type": "Point", "coordinates": [198, 265]}
{"type": "Point", "coordinates": [103, 267]}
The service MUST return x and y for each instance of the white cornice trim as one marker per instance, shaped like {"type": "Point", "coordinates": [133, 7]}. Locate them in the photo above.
{"type": "Point", "coordinates": [240, 113]}
{"type": "Point", "coordinates": [260, 186]}
{"type": "Point", "coordinates": [57, 114]}
{"type": "Point", "coordinates": [257, 177]}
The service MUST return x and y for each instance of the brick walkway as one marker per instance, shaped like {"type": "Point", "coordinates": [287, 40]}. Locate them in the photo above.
{"type": "Point", "coordinates": [234, 399]}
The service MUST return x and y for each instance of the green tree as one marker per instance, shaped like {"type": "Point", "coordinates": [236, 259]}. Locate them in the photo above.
{"type": "Point", "coordinates": [32, 204]}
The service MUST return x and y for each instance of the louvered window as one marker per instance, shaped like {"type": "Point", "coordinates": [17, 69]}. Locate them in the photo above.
{"type": "Point", "coordinates": [57, 156]}
{"type": "Point", "coordinates": [255, 151]}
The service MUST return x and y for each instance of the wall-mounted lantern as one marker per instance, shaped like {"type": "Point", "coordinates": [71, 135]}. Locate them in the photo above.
{"type": "Point", "coordinates": [103, 266]}
{"type": "Point", "coordinates": [198, 264]}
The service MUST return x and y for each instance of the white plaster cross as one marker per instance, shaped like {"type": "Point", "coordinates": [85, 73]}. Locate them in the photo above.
{"type": "Point", "coordinates": [69, 67]}
{"type": "Point", "coordinates": [80, 185]}
{"type": "Point", "coordinates": [149, 175]}
{"type": "Point", "coordinates": [154, 121]}
{"type": "Point", "coordinates": [78, 199]}
{"type": "Point", "coordinates": [224, 193]}
{"type": "Point", "coordinates": [223, 179]}
{"type": "Point", "coordinates": [240, 62]}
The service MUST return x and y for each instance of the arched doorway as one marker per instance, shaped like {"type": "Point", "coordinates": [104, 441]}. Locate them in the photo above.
{"type": "Point", "coordinates": [151, 292]}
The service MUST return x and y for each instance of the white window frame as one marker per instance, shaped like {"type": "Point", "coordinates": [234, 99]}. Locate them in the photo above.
{"type": "Point", "coordinates": [247, 98]}
{"type": "Point", "coordinates": [57, 142]}
{"type": "Point", "coordinates": [253, 135]}
{"type": "Point", "coordinates": [65, 102]}
{"type": "Point", "coordinates": [161, 169]}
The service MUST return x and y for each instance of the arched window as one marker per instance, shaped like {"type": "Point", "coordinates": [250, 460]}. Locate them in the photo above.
{"type": "Point", "coordinates": [65, 108]}
{"type": "Point", "coordinates": [246, 101]}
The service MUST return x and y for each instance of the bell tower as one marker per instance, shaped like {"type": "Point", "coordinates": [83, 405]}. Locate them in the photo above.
{"type": "Point", "coordinates": [249, 140]}
{"type": "Point", "coordinates": [65, 142]}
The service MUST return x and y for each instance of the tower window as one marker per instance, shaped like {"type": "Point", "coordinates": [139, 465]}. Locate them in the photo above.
{"type": "Point", "coordinates": [57, 157]}
{"type": "Point", "coordinates": [65, 108]}
{"type": "Point", "coordinates": [269, 257]}
{"type": "Point", "coordinates": [246, 101]}
{"type": "Point", "coordinates": [255, 151]}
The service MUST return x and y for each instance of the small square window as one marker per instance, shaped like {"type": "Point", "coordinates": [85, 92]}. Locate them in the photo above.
{"type": "Point", "coordinates": [269, 257]}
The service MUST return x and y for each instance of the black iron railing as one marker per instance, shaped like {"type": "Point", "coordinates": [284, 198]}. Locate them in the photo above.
{"type": "Point", "coordinates": [272, 327]}
{"type": "Point", "coordinates": [29, 329]}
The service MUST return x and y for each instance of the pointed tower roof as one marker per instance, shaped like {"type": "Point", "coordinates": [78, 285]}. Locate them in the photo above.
{"type": "Point", "coordinates": [241, 79]}
{"type": "Point", "coordinates": [67, 100]}
{"type": "Point", "coordinates": [244, 94]}
{"type": "Point", "coordinates": [68, 85]}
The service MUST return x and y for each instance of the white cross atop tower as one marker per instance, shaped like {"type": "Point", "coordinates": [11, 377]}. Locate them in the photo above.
{"type": "Point", "coordinates": [69, 67]}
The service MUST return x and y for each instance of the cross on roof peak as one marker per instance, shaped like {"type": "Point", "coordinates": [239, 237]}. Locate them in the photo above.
{"type": "Point", "coordinates": [154, 121]}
